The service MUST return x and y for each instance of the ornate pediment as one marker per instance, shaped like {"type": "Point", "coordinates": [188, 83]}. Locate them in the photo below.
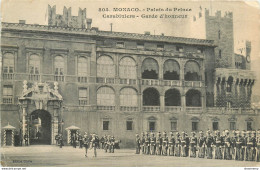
{"type": "Point", "coordinates": [40, 93]}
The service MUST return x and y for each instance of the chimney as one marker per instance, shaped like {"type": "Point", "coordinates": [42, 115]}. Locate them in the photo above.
{"type": "Point", "coordinates": [89, 21]}
{"type": "Point", "coordinates": [147, 33]}
{"type": "Point", "coordinates": [21, 21]}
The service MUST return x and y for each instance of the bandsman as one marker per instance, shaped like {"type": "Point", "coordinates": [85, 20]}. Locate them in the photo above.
{"type": "Point", "coordinates": [152, 144]}
{"type": "Point", "coordinates": [193, 145]}
{"type": "Point", "coordinates": [171, 144]}
{"type": "Point", "coordinates": [201, 143]}
{"type": "Point", "coordinates": [109, 143]}
{"type": "Point", "coordinates": [254, 146]}
{"type": "Point", "coordinates": [94, 142]}
{"type": "Point", "coordinates": [218, 146]}
{"type": "Point", "coordinates": [183, 145]}
{"type": "Point", "coordinates": [158, 144]}
{"type": "Point", "coordinates": [258, 146]}
{"type": "Point", "coordinates": [209, 144]}
{"type": "Point", "coordinates": [177, 145]}
{"type": "Point", "coordinates": [164, 144]}
{"type": "Point", "coordinates": [227, 147]}
{"type": "Point", "coordinates": [138, 144]}
{"type": "Point", "coordinates": [143, 143]}
{"type": "Point", "coordinates": [112, 144]}
{"type": "Point", "coordinates": [147, 144]}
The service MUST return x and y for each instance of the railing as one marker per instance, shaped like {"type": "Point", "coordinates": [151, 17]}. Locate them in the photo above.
{"type": "Point", "coordinates": [171, 82]}
{"type": "Point", "coordinates": [58, 78]}
{"type": "Point", "coordinates": [151, 108]}
{"type": "Point", "coordinates": [34, 77]}
{"type": "Point", "coordinates": [8, 76]}
{"type": "Point", "coordinates": [193, 83]}
{"type": "Point", "coordinates": [173, 108]}
{"type": "Point", "coordinates": [83, 102]}
{"type": "Point", "coordinates": [225, 110]}
{"type": "Point", "coordinates": [105, 107]}
{"type": "Point", "coordinates": [82, 79]}
{"type": "Point", "coordinates": [128, 108]}
{"type": "Point", "coordinates": [105, 80]}
{"type": "Point", "coordinates": [194, 109]}
{"type": "Point", "coordinates": [7, 100]}
{"type": "Point", "coordinates": [127, 81]}
{"type": "Point", "coordinates": [151, 82]}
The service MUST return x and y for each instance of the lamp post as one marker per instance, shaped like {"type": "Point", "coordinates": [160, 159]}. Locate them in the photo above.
{"type": "Point", "coordinates": [61, 125]}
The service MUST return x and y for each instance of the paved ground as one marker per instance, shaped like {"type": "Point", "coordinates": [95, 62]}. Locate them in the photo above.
{"type": "Point", "coordinates": [42, 156]}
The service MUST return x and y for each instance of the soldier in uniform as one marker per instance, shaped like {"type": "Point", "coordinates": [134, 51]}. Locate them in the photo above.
{"type": "Point", "coordinates": [25, 137]}
{"type": "Point", "coordinates": [254, 146]}
{"type": "Point", "coordinates": [159, 144]}
{"type": "Point", "coordinates": [74, 140]}
{"type": "Point", "coordinates": [233, 144]}
{"type": "Point", "coordinates": [94, 141]}
{"type": "Point", "coordinates": [249, 147]}
{"type": "Point", "coordinates": [80, 140]}
{"type": "Point", "coordinates": [227, 147]}
{"type": "Point", "coordinates": [171, 144]}
{"type": "Point", "coordinates": [105, 143]}
{"type": "Point", "coordinates": [201, 144]}
{"type": "Point", "coordinates": [193, 145]}
{"type": "Point", "coordinates": [164, 144]}
{"type": "Point", "coordinates": [238, 146]}
{"type": "Point", "coordinates": [147, 144]}
{"type": "Point", "coordinates": [243, 149]}
{"type": "Point", "coordinates": [109, 144]}
{"type": "Point", "coordinates": [152, 144]}
{"type": "Point", "coordinates": [112, 144]}
{"type": "Point", "coordinates": [218, 146]}
{"type": "Point", "coordinates": [138, 144]}
{"type": "Point", "coordinates": [209, 143]}
{"type": "Point", "coordinates": [60, 140]}
{"type": "Point", "coordinates": [102, 141]}
{"type": "Point", "coordinates": [86, 142]}
{"type": "Point", "coordinates": [258, 146]}
{"type": "Point", "coordinates": [177, 145]}
{"type": "Point", "coordinates": [57, 139]}
{"type": "Point", "coordinates": [143, 143]}
{"type": "Point", "coordinates": [183, 145]}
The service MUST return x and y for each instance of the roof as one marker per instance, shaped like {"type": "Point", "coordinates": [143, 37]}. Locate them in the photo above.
{"type": "Point", "coordinates": [8, 127]}
{"type": "Point", "coordinates": [105, 34]}
{"type": "Point", "coordinates": [72, 128]}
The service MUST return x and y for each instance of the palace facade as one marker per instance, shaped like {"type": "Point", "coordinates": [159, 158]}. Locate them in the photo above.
{"type": "Point", "coordinates": [69, 77]}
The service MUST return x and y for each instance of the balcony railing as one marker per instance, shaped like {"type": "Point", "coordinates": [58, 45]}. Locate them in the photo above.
{"type": "Point", "coordinates": [83, 102]}
{"type": "Point", "coordinates": [105, 80]}
{"type": "Point", "coordinates": [194, 109]}
{"type": "Point", "coordinates": [173, 108]}
{"type": "Point", "coordinates": [82, 79]}
{"type": "Point", "coordinates": [151, 82]}
{"type": "Point", "coordinates": [58, 78]}
{"type": "Point", "coordinates": [7, 100]}
{"type": "Point", "coordinates": [128, 81]}
{"type": "Point", "coordinates": [128, 108]}
{"type": "Point", "coordinates": [8, 76]}
{"type": "Point", "coordinates": [105, 107]}
{"type": "Point", "coordinates": [34, 77]}
{"type": "Point", "coordinates": [151, 108]}
{"type": "Point", "coordinates": [171, 82]}
{"type": "Point", "coordinates": [194, 83]}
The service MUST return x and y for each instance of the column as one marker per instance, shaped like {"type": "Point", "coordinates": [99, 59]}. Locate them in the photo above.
{"type": "Point", "coordinates": [162, 103]}
{"type": "Point", "coordinates": [183, 102]}
{"type": "Point", "coordinates": [182, 70]}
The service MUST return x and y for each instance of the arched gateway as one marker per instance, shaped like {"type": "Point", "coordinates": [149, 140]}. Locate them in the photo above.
{"type": "Point", "coordinates": [41, 112]}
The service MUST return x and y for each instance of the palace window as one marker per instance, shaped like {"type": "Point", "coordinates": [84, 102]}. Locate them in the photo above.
{"type": "Point", "coordinates": [105, 96]}
{"type": "Point", "coordinates": [129, 125]}
{"type": "Point", "coordinates": [150, 69]}
{"type": "Point", "coordinates": [151, 123]}
{"type": "Point", "coordinates": [105, 125]}
{"type": "Point", "coordinates": [171, 70]}
{"type": "Point", "coordinates": [59, 65]}
{"type": "Point", "coordinates": [127, 68]}
{"type": "Point", "coordinates": [8, 63]}
{"type": "Point", "coordinates": [128, 97]}
{"type": "Point", "coordinates": [151, 126]}
{"type": "Point", "coordinates": [83, 97]}
{"type": "Point", "coordinates": [249, 126]}
{"type": "Point", "coordinates": [179, 49]}
{"type": "Point", "coordinates": [192, 71]}
{"type": "Point", "coordinates": [82, 66]}
{"type": "Point", "coordinates": [193, 98]}
{"type": "Point", "coordinates": [173, 125]}
{"type": "Point", "coordinates": [7, 94]}
{"type": "Point", "coordinates": [151, 97]}
{"type": "Point", "coordinates": [195, 126]}
{"type": "Point", "coordinates": [105, 67]}
{"type": "Point", "coordinates": [34, 64]}
{"type": "Point", "coordinates": [232, 125]}
{"type": "Point", "coordinates": [172, 97]}
{"type": "Point", "coordinates": [215, 126]}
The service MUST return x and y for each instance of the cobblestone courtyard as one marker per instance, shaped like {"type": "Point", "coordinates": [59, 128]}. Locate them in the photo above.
{"type": "Point", "coordinates": [46, 156]}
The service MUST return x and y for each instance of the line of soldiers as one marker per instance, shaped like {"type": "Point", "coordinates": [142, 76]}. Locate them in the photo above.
{"type": "Point", "coordinates": [241, 146]}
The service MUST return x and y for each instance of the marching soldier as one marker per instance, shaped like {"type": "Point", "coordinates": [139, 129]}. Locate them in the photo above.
{"type": "Point", "coordinates": [94, 141]}
{"type": "Point", "coordinates": [143, 143]}
{"type": "Point", "coordinates": [25, 137]}
{"type": "Point", "coordinates": [238, 147]}
{"type": "Point", "coordinates": [201, 143]}
{"type": "Point", "coordinates": [193, 145]}
{"type": "Point", "coordinates": [152, 144]}
{"type": "Point", "coordinates": [218, 145]}
{"type": "Point", "coordinates": [112, 144]}
{"type": "Point", "coordinates": [254, 146]}
{"type": "Point", "coordinates": [80, 141]}
{"type": "Point", "coordinates": [109, 143]}
{"type": "Point", "coordinates": [209, 143]}
{"type": "Point", "coordinates": [159, 144]}
{"type": "Point", "coordinates": [171, 144]}
{"type": "Point", "coordinates": [164, 144]}
{"type": "Point", "coordinates": [183, 145]}
{"type": "Point", "coordinates": [227, 147]}
{"type": "Point", "coordinates": [249, 147]}
{"type": "Point", "coordinates": [178, 145]}
{"type": "Point", "coordinates": [105, 143]}
{"type": "Point", "coordinates": [60, 141]}
{"type": "Point", "coordinates": [147, 144]}
{"type": "Point", "coordinates": [86, 141]}
{"type": "Point", "coordinates": [138, 144]}
{"type": "Point", "coordinates": [258, 146]}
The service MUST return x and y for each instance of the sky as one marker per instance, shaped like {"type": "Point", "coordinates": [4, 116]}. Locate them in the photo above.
{"type": "Point", "coordinates": [246, 18]}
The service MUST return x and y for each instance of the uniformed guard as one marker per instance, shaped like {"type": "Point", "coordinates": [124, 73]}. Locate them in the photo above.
{"type": "Point", "coordinates": [86, 143]}
{"type": "Point", "coordinates": [143, 143]}
{"type": "Point", "coordinates": [112, 144]}
{"type": "Point", "coordinates": [201, 144]}
{"type": "Point", "coordinates": [109, 143]}
{"type": "Point", "coordinates": [209, 144]}
{"type": "Point", "coordinates": [102, 142]}
{"type": "Point", "coordinates": [233, 144]}
{"type": "Point", "coordinates": [177, 145]}
{"type": "Point", "coordinates": [138, 144]}
{"type": "Point", "coordinates": [193, 145]}
{"type": "Point", "coordinates": [183, 145]}
{"type": "Point", "coordinates": [25, 137]}
{"type": "Point", "coordinates": [158, 144]}
{"type": "Point", "coordinates": [227, 147]}
{"type": "Point", "coordinates": [94, 142]}
{"type": "Point", "coordinates": [60, 140]}
{"type": "Point", "coordinates": [164, 144]}
{"type": "Point", "coordinates": [243, 149]}
{"type": "Point", "coordinates": [218, 146]}
{"type": "Point", "coordinates": [258, 146]}
{"type": "Point", "coordinates": [80, 141]}
{"type": "Point", "coordinates": [152, 144]}
{"type": "Point", "coordinates": [147, 143]}
{"type": "Point", "coordinates": [105, 143]}
{"type": "Point", "coordinates": [238, 147]}
{"type": "Point", "coordinates": [74, 140]}
{"type": "Point", "coordinates": [171, 144]}
{"type": "Point", "coordinates": [57, 139]}
{"type": "Point", "coordinates": [249, 147]}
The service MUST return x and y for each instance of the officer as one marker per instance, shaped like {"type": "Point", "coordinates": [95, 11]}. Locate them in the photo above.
{"type": "Point", "coordinates": [94, 142]}
{"type": "Point", "coordinates": [60, 140]}
{"type": "Point", "coordinates": [227, 146]}
{"type": "Point", "coordinates": [147, 144]}
{"type": "Point", "coordinates": [258, 146]}
{"type": "Point", "coordinates": [193, 145]}
{"type": "Point", "coordinates": [218, 146]}
{"type": "Point", "coordinates": [171, 144]}
{"type": "Point", "coordinates": [209, 144]}
{"type": "Point", "coordinates": [143, 143]}
{"type": "Point", "coordinates": [238, 147]}
{"type": "Point", "coordinates": [152, 144]}
{"type": "Point", "coordinates": [112, 144]}
{"type": "Point", "coordinates": [26, 139]}
{"type": "Point", "coordinates": [138, 144]}
{"type": "Point", "coordinates": [80, 140]}
{"type": "Point", "coordinates": [201, 144]}
{"type": "Point", "coordinates": [177, 145]}
{"type": "Point", "coordinates": [159, 144]}
{"type": "Point", "coordinates": [86, 142]}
